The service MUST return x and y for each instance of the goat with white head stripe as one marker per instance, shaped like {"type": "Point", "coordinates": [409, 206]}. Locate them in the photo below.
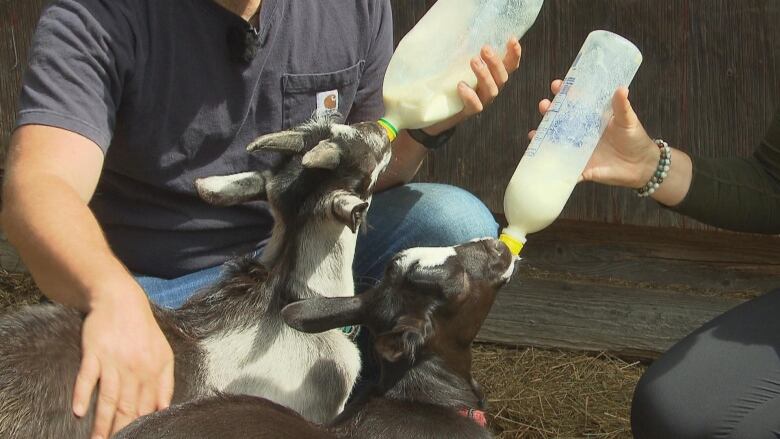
{"type": "Point", "coordinates": [231, 338]}
{"type": "Point", "coordinates": [425, 314]}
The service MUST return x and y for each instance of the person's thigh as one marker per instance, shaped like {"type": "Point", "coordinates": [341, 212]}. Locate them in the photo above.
{"type": "Point", "coordinates": [172, 293]}
{"type": "Point", "coordinates": [418, 215]}
{"type": "Point", "coordinates": [722, 381]}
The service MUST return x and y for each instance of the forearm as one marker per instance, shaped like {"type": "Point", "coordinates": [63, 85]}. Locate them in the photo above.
{"type": "Point", "coordinates": [408, 156]}
{"type": "Point", "coordinates": [741, 194]}
{"type": "Point", "coordinates": [60, 240]}
{"type": "Point", "coordinates": [736, 194]}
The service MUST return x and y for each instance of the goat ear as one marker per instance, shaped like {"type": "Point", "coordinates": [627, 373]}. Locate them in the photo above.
{"type": "Point", "coordinates": [403, 341]}
{"type": "Point", "coordinates": [350, 210]}
{"type": "Point", "coordinates": [286, 142]}
{"type": "Point", "coordinates": [228, 190]}
{"type": "Point", "coordinates": [323, 313]}
{"type": "Point", "coordinates": [326, 155]}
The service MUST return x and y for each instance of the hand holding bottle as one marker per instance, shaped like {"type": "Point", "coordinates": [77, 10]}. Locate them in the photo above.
{"type": "Point", "coordinates": [572, 127]}
{"type": "Point", "coordinates": [626, 156]}
{"type": "Point", "coordinates": [446, 68]}
{"type": "Point", "coordinates": [492, 74]}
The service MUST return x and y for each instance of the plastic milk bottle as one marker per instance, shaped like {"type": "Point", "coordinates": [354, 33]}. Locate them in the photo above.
{"type": "Point", "coordinates": [420, 86]}
{"type": "Point", "coordinates": [567, 136]}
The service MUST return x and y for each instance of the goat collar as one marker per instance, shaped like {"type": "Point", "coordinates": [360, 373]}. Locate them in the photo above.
{"type": "Point", "coordinates": [351, 332]}
{"type": "Point", "coordinates": [477, 416]}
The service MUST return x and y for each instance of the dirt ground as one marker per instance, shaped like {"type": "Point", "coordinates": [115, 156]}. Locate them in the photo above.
{"type": "Point", "coordinates": [532, 393]}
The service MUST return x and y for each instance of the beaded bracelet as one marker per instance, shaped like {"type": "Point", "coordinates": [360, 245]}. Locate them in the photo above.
{"type": "Point", "coordinates": [661, 172]}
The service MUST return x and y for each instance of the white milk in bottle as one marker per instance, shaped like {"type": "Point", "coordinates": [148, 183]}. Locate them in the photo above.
{"type": "Point", "coordinates": [420, 86]}
{"type": "Point", "coordinates": [567, 136]}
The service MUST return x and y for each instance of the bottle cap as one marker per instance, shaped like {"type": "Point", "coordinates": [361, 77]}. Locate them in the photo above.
{"type": "Point", "coordinates": [514, 245]}
{"type": "Point", "coordinates": [392, 131]}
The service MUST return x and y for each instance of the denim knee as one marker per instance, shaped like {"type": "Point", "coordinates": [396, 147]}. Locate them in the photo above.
{"type": "Point", "coordinates": [447, 215]}
{"type": "Point", "coordinates": [418, 215]}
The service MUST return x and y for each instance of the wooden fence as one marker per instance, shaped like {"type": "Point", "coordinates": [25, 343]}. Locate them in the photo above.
{"type": "Point", "coordinates": [17, 21]}
{"type": "Point", "coordinates": [710, 83]}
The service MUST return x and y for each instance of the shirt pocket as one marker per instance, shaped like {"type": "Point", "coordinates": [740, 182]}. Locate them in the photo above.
{"type": "Point", "coordinates": [302, 92]}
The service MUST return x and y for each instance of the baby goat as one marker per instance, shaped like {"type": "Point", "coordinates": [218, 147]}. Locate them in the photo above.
{"type": "Point", "coordinates": [424, 314]}
{"type": "Point", "coordinates": [231, 338]}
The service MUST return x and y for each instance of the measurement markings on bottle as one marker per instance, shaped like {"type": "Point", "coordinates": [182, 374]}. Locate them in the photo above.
{"type": "Point", "coordinates": [549, 118]}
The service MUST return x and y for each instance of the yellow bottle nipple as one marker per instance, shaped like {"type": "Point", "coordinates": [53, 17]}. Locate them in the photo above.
{"type": "Point", "coordinates": [514, 245]}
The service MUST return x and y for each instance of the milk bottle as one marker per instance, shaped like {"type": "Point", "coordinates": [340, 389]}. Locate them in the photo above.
{"type": "Point", "coordinates": [567, 136]}
{"type": "Point", "coordinates": [420, 86]}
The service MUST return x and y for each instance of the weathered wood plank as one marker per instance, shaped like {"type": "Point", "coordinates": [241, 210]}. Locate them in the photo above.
{"type": "Point", "coordinates": [17, 20]}
{"type": "Point", "coordinates": [685, 277]}
{"type": "Point", "coordinates": [630, 322]}
{"type": "Point", "coordinates": [702, 263]}
{"type": "Point", "coordinates": [629, 290]}
{"type": "Point", "coordinates": [720, 247]}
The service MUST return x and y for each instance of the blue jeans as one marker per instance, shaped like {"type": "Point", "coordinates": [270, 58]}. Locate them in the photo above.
{"type": "Point", "coordinates": [414, 215]}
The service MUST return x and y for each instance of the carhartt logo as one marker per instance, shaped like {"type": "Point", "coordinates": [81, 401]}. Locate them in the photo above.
{"type": "Point", "coordinates": [328, 100]}
{"type": "Point", "coordinates": [331, 102]}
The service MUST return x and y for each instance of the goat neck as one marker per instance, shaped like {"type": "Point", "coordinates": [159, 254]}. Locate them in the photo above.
{"type": "Point", "coordinates": [428, 381]}
{"type": "Point", "coordinates": [420, 400]}
{"type": "Point", "coordinates": [316, 260]}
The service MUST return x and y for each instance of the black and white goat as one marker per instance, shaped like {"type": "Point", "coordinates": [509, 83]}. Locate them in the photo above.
{"type": "Point", "coordinates": [231, 338]}
{"type": "Point", "coordinates": [424, 314]}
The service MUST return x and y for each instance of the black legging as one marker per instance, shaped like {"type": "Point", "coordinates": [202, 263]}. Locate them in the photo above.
{"type": "Point", "coordinates": [722, 381]}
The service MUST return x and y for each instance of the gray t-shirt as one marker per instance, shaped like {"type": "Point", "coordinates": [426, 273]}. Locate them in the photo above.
{"type": "Point", "coordinates": [154, 84]}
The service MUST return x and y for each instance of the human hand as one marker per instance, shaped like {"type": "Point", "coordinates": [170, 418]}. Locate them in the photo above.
{"type": "Point", "coordinates": [625, 156]}
{"type": "Point", "coordinates": [123, 348]}
{"type": "Point", "coordinates": [492, 74]}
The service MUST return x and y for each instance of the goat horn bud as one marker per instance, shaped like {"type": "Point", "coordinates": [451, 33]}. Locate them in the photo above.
{"type": "Point", "coordinates": [326, 155]}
